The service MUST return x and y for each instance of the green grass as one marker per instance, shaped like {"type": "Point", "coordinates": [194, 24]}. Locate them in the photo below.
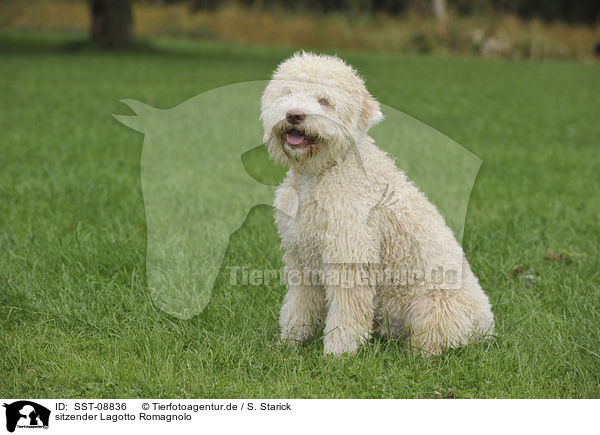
{"type": "Point", "coordinates": [77, 319]}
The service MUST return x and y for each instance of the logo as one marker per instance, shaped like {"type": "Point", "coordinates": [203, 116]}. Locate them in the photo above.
{"type": "Point", "coordinates": [26, 414]}
{"type": "Point", "coordinates": [202, 171]}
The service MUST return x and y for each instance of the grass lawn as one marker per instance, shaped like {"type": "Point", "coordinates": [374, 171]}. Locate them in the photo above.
{"type": "Point", "coordinates": [75, 313]}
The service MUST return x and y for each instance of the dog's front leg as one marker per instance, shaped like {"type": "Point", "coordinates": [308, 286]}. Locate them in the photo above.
{"type": "Point", "coordinates": [350, 312]}
{"type": "Point", "coordinates": [350, 250]}
{"type": "Point", "coordinates": [303, 309]}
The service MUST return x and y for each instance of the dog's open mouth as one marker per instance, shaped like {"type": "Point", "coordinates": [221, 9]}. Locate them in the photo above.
{"type": "Point", "coordinates": [298, 139]}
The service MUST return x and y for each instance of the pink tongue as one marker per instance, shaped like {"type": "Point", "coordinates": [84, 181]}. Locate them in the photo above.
{"type": "Point", "coordinates": [294, 138]}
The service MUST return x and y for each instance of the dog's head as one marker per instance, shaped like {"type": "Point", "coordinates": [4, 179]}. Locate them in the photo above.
{"type": "Point", "coordinates": [314, 110]}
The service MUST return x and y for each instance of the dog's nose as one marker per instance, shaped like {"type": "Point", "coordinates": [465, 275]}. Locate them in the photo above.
{"type": "Point", "coordinates": [295, 116]}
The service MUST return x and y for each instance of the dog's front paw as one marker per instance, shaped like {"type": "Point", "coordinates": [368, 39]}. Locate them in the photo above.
{"type": "Point", "coordinates": [295, 334]}
{"type": "Point", "coordinates": [339, 342]}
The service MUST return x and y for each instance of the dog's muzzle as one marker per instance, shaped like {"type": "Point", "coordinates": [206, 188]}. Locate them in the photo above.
{"type": "Point", "coordinates": [296, 138]}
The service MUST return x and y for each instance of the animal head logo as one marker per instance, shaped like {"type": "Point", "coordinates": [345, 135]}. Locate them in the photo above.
{"type": "Point", "coordinates": [198, 189]}
{"type": "Point", "coordinates": [25, 413]}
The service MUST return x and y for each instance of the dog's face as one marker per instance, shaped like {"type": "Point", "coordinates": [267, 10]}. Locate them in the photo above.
{"type": "Point", "coordinates": [314, 109]}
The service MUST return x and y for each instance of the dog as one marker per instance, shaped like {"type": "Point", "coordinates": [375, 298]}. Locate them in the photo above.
{"type": "Point", "coordinates": [346, 214]}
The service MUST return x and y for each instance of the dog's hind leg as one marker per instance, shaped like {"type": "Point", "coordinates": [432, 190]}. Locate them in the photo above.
{"type": "Point", "coordinates": [442, 319]}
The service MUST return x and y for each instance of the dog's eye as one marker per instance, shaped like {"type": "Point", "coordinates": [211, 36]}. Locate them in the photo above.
{"type": "Point", "coordinates": [323, 101]}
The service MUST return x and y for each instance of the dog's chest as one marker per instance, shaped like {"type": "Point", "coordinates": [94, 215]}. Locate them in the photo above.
{"type": "Point", "coordinates": [304, 234]}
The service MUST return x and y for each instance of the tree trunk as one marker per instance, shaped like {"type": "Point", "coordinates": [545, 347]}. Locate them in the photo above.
{"type": "Point", "coordinates": [112, 22]}
{"type": "Point", "coordinates": [439, 10]}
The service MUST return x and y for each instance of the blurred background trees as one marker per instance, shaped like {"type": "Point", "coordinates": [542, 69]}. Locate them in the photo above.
{"type": "Point", "coordinates": [585, 11]}
{"type": "Point", "coordinates": [532, 29]}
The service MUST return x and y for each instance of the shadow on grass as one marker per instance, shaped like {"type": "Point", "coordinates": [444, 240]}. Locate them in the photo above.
{"type": "Point", "coordinates": [34, 43]}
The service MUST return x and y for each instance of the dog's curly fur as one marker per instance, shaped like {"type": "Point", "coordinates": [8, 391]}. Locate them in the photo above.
{"type": "Point", "coordinates": [345, 210]}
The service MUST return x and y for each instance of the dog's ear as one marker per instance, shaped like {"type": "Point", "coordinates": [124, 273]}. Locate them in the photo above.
{"type": "Point", "coordinates": [370, 113]}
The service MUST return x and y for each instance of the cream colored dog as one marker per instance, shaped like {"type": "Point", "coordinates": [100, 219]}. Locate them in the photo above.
{"type": "Point", "coordinates": [365, 251]}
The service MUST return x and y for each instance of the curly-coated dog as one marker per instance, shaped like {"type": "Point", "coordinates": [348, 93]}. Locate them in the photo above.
{"type": "Point", "coordinates": [365, 251]}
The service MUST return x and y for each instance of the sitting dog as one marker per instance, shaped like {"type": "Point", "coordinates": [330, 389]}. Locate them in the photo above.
{"type": "Point", "coordinates": [351, 223]}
